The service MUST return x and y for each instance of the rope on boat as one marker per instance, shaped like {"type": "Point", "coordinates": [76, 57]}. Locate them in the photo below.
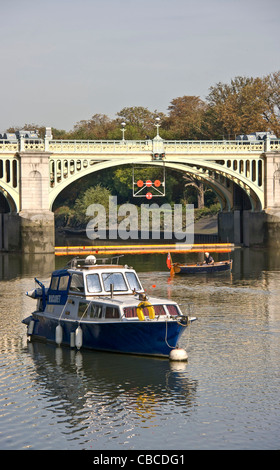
{"type": "Point", "coordinates": [187, 323]}
{"type": "Point", "coordinates": [166, 342]}
{"type": "Point", "coordinates": [86, 309]}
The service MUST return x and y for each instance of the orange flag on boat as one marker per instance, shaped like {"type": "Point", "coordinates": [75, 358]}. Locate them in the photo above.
{"type": "Point", "coordinates": [169, 261]}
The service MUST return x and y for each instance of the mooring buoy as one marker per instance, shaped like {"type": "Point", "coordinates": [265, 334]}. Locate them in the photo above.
{"type": "Point", "coordinates": [178, 354]}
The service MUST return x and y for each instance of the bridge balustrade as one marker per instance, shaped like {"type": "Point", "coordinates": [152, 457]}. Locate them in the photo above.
{"type": "Point", "coordinates": [137, 146]}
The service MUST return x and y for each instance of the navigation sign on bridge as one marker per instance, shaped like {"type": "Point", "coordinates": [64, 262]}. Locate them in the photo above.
{"type": "Point", "coordinates": [148, 187]}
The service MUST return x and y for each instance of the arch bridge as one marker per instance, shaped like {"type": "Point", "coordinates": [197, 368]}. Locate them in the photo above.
{"type": "Point", "coordinates": [33, 172]}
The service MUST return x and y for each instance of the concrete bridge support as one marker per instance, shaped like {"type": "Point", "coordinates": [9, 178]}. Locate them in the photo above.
{"type": "Point", "coordinates": [36, 220]}
{"type": "Point", "coordinates": [243, 228]}
{"type": "Point", "coordinates": [32, 229]}
{"type": "Point", "coordinates": [257, 228]}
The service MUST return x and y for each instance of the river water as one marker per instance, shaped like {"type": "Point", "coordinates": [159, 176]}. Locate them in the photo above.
{"type": "Point", "coordinates": [225, 397]}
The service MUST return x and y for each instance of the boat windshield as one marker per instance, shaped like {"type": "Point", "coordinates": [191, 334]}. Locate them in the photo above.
{"type": "Point", "coordinates": [77, 283]}
{"type": "Point", "coordinates": [93, 283]}
{"type": "Point", "coordinates": [133, 281]}
{"type": "Point", "coordinates": [116, 279]}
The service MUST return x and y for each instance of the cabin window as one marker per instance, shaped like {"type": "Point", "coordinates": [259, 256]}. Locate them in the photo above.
{"type": "Point", "coordinates": [83, 309]}
{"type": "Point", "coordinates": [93, 283]}
{"type": "Point", "coordinates": [96, 311]}
{"type": "Point", "coordinates": [172, 310]}
{"type": "Point", "coordinates": [77, 283]}
{"type": "Point", "coordinates": [54, 283]}
{"type": "Point", "coordinates": [63, 282]}
{"type": "Point", "coordinates": [116, 279]}
{"type": "Point", "coordinates": [112, 312]}
{"type": "Point", "coordinates": [131, 312]}
{"type": "Point", "coordinates": [133, 281]}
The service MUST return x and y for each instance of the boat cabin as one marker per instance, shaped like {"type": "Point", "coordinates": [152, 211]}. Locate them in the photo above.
{"type": "Point", "coordinates": [100, 293]}
{"type": "Point", "coordinates": [92, 281]}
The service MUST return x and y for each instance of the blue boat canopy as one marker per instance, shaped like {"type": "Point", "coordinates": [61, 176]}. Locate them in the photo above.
{"type": "Point", "coordinates": [59, 286]}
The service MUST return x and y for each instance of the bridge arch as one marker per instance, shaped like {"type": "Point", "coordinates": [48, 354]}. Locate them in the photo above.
{"type": "Point", "coordinates": [66, 170]}
{"type": "Point", "coordinates": [10, 198]}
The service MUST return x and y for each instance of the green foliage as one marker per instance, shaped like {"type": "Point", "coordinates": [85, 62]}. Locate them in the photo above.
{"type": "Point", "coordinates": [94, 195]}
{"type": "Point", "coordinates": [63, 216]}
{"type": "Point", "coordinates": [212, 210]}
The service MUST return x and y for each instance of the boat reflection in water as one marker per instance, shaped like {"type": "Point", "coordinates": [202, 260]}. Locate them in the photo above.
{"type": "Point", "coordinates": [101, 387]}
{"type": "Point", "coordinates": [104, 307]}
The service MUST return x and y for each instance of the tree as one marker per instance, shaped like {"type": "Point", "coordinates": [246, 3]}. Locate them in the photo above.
{"type": "Point", "coordinates": [97, 128]}
{"type": "Point", "coordinates": [185, 118]}
{"type": "Point", "coordinates": [93, 195]}
{"type": "Point", "coordinates": [29, 127]}
{"type": "Point", "coordinates": [140, 122]}
{"type": "Point", "coordinates": [199, 186]}
{"type": "Point", "coordinates": [240, 107]}
{"type": "Point", "coordinates": [272, 98]}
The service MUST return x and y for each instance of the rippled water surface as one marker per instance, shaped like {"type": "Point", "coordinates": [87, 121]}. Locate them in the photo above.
{"type": "Point", "coordinates": [225, 397]}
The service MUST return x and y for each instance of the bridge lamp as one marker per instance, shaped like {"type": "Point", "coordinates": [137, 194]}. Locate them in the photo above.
{"type": "Point", "coordinates": [157, 125]}
{"type": "Point", "coordinates": [123, 130]}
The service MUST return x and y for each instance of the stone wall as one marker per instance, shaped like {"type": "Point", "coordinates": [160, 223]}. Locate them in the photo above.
{"type": "Point", "coordinates": [249, 228]}
{"type": "Point", "coordinates": [27, 232]}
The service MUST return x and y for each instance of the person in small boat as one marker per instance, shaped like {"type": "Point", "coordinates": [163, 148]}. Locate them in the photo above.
{"type": "Point", "coordinates": [208, 259]}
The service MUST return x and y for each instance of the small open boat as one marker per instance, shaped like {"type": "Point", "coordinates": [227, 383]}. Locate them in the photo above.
{"type": "Point", "coordinates": [202, 268]}
{"type": "Point", "coordinates": [186, 268]}
{"type": "Point", "coordinates": [104, 307]}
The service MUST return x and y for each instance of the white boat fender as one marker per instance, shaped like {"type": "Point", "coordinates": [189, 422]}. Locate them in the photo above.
{"type": "Point", "coordinates": [30, 327]}
{"type": "Point", "coordinates": [78, 337]}
{"type": "Point", "coordinates": [58, 335]}
{"type": "Point", "coordinates": [178, 354]}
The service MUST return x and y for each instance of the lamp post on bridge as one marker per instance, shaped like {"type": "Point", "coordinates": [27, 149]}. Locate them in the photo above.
{"type": "Point", "coordinates": [158, 146]}
{"type": "Point", "coordinates": [158, 125]}
{"type": "Point", "coordinates": [123, 130]}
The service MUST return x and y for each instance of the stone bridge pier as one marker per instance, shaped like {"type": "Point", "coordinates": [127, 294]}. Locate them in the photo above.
{"type": "Point", "coordinates": [246, 227]}
{"type": "Point", "coordinates": [31, 230]}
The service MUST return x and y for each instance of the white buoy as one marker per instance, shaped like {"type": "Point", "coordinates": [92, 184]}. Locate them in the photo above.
{"type": "Point", "coordinates": [78, 337]}
{"type": "Point", "coordinates": [178, 354]}
{"type": "Point", "coordinates": [58, 335]}
{"type": "Point", "coordinates": [30, 327]}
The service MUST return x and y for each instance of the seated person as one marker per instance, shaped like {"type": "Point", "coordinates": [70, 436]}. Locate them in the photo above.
{"type": "Point", "coordinates": [208, 259]}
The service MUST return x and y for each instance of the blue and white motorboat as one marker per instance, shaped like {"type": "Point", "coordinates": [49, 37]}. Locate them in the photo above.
{"type": "Point", "coordinates": [104, 307]}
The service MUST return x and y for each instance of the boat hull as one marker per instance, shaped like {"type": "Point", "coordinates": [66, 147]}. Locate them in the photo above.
{"type": "Point", "coordinates": [202, 268]}
{"type": "Point", "coordinates": [152, 338]}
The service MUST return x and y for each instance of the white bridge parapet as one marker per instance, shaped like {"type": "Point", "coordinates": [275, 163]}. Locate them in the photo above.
{"type": "Point", "coordinates": [138, 146]}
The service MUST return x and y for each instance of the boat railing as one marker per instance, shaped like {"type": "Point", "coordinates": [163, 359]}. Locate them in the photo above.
{"type": "Point", "coordinates": [91, 260]}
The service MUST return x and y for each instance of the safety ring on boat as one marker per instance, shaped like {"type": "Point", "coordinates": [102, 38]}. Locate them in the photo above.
{"type": "Point", "coordinates": [150, 309]}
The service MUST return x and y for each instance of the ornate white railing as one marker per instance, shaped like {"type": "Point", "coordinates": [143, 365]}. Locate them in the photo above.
{"type": "Point", "coordinates": [138, 146]}
{"type": "Point", "coordinates": [147, 147]}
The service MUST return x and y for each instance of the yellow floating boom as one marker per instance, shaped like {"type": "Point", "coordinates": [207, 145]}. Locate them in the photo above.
{"type": "Point", "coordinates": [143, 249]}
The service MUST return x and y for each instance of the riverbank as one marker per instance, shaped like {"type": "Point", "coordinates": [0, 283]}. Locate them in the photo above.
{"type": "Point", "coordinates": [205, 231]}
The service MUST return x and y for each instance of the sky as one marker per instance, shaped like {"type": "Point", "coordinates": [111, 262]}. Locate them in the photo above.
{"type": "Point", "coordinates": [62, 61]}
